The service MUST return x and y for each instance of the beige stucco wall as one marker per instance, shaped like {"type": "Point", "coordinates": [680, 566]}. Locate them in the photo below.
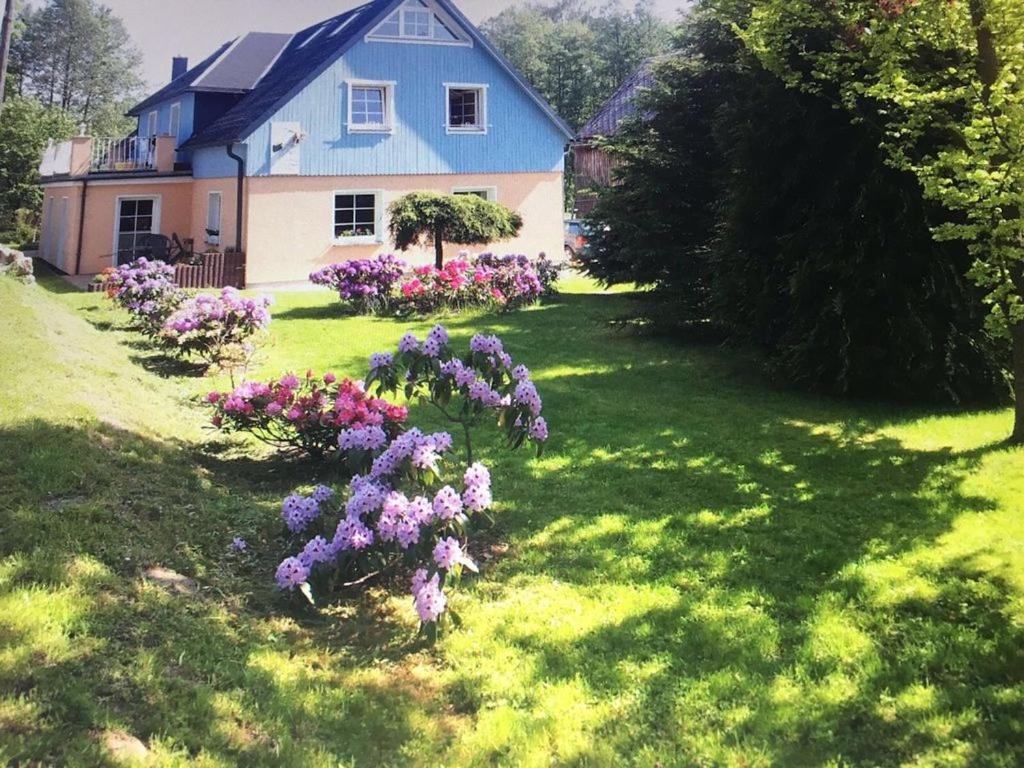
{"type": "Point", "coordinates": [201, 189]}
{"type": "Point", "coordinates": [98, 233]}
{"type": "Point", "coordinates": [290, 219]}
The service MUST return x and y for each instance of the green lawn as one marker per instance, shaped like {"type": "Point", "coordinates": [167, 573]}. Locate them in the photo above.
{"type": "Point", "coordinates": [702, 570]}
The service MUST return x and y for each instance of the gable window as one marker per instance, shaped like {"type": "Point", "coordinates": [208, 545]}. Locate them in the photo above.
{"type": "Point", "coordinates": [213, 201]}
{"type": "Point", "coordinates": [467, 108]}
{"type": "Point", "coordinates": [357, 217]}
{"type": "Point", "coordinates": [419, 21]}
{"type": "Point", "coordinates": [370, 106]}
{"type": "Point", "coordinates": [175, 119]}
{"type": "Point", "coordinates": [485, 193]}
{"type": "Point", "coordinates": [151, 125]}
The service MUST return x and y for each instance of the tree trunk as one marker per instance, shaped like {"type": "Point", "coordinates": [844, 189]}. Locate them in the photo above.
{"type": "Point", "coordinates": [1017, 332]}
{"type": "Point", "coordinates": [439, 247]}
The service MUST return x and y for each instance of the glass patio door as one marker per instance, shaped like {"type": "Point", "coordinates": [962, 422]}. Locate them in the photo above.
{"type": "Point", "coordinates": [136, 218]}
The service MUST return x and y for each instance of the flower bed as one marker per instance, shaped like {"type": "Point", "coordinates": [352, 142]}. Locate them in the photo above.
{"type": "Point", "coordinates": [377, 285]}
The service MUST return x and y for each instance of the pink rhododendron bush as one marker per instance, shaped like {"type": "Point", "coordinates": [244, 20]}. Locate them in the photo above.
{"type": "Point", "coordinates": [414, 499]}
{"type": "Point", "coordinates": [307, 414]}
{"type": "Point", "coordinates": [379, 285]}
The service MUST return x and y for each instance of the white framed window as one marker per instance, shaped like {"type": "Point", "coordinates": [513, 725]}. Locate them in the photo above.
{"type": "Point", "coordinates": [487, 193]}
{"type": "Point", "coordinates": [358, 217]}
{"type": "Point", "coordinates": [134, 218]}
{"type": "Point", "coordinates": [420, 21]}
{"type": "Point", "coordinates": [152, 123]}
{"type": "Point", "coordinates": [371, 106]}
{"type": "Point", "coordinates": [465, 107]}
{"type": "Point", "coordinates": [175, 119]}
{"type": "Point", "coordinates": [213, 207]}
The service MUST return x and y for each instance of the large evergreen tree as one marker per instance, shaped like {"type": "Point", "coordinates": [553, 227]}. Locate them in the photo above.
{"type": "Point", "coordinates": [763, 215]}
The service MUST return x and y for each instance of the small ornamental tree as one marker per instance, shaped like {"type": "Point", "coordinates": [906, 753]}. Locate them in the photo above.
{"type": "Point", "coordinates": [458, 219]}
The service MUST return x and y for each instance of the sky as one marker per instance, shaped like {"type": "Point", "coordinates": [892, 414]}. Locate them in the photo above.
{"type": "Point", "coordinates": [195, 28]}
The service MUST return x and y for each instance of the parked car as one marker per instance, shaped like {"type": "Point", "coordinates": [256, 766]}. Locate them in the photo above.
{"type": "Point", "coordinates": [576, 237]}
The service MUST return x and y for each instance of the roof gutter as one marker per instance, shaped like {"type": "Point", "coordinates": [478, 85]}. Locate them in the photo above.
{"type": "Point", "coordinates": [238, 195]}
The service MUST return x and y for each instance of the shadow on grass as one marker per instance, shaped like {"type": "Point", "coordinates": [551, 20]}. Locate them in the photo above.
{"type": "Point", "coordinates": [235, 671]}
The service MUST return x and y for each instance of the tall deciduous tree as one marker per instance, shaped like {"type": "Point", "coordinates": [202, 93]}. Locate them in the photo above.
{"type": "Point", "coordinates": [945, 83]}
{"type": "Point", "coordinates": [75, 55]}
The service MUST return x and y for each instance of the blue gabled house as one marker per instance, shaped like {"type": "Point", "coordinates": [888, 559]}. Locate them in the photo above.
{"type": "Point", "coordinates": [290, 147]}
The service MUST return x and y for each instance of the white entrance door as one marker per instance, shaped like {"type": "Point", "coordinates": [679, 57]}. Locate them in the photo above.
{"type": "Point", "coordinates": [136, 218]}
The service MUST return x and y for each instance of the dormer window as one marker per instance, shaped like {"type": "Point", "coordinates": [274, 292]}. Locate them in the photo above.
{"type": "Point", "coordinates": [419, 21]}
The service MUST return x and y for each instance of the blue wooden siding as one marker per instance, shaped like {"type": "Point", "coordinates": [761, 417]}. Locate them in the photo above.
{"type": "Point", "coordinates": [521, 138]}
{"type": "Point", "coordinates": [214, 163]}
{"type": "Point", "coordinates": [163, 120]}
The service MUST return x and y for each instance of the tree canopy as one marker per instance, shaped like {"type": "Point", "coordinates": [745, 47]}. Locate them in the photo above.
{"type": "Point", "coordinates": [944, 83]}
{"type": "Point", "coordinates": [76, 56]}
{"type": "Point", "coordinates": [574, 55]}
{"type": "Point", "coordinates": [762, 214]}
{"type": "Point", "coordinates": [458, 219]}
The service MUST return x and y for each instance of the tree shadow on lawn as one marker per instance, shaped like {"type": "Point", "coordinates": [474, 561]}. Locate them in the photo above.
{"type": "Point", "coordinates": [86, 644]}
{"type": "Point", "coordinates": [750, 519]}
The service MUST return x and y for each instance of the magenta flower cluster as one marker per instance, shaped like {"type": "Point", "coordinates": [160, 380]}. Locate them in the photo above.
{"type": "Point", "coordinates": [216, 327]}
{"type": "Point", "coordinates": [507, 282]}
{"type": "Point", "coordinates": [367, 284]}
{"type": "Point", "coordinates": [313, 414]}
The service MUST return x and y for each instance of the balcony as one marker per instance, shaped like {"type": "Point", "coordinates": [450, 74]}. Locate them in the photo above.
{"type": "Point", "coordinates": [97, 156]}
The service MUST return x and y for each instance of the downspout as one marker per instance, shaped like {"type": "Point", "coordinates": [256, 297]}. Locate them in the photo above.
{"type": "Point", "coordinates": [238, 196]}
{"type": "Point", "coordinates": [81, 228]}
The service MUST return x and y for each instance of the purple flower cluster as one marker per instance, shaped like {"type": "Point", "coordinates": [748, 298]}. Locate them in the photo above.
{"type": "Point", "coordinates": [299, 512]}
{"type": "Point", "coordinates": [393, 510]}
{"type": "Point", "coordinates": [366, 283]}
{"type": "Point", "coordinates": [146, 289]}
{"type": "Point", "coordinates": [213, 326]}
{"type": "Point", "coordinates": [377, 514]}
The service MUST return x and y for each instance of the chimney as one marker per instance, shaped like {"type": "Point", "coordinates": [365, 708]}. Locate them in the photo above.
{"type": "Point", "coordinates": [179, 66]}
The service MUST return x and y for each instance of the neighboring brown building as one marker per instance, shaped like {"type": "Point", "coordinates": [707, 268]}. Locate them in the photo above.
{"type": "Point", "coordinates": [593, 166]}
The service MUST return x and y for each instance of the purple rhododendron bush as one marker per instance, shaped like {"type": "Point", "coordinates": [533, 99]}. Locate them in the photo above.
{"type": "Point", "coordinates": [146, 290]}
{"type": "Point", "coordinates": [217, 329]}
{"type": "Point", "coordinates": [381, 285]}
{"type": "Point", "coordinates": [414, 500]}
{"type": "Point", "coordinates": [366, 284]}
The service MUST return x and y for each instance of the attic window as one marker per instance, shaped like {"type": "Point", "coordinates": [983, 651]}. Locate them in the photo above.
{"type": "Point", "coordinates": [418, 21]}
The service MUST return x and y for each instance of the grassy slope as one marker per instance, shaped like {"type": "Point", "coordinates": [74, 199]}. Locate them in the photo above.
{"type": "Point", "coordinates": [700, 571]}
